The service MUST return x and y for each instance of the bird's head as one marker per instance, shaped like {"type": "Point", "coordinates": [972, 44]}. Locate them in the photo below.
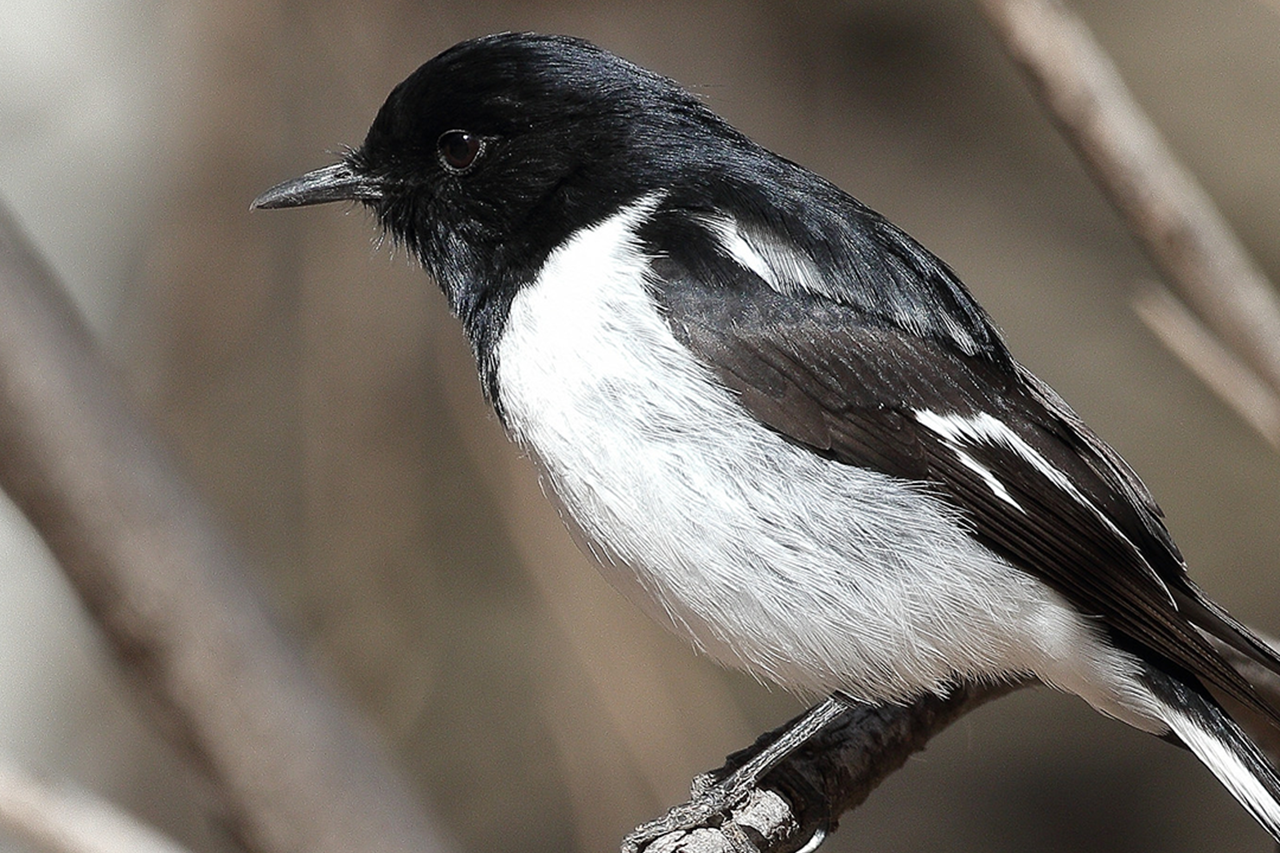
{"type": "Point", "coordinates": [489, 155]}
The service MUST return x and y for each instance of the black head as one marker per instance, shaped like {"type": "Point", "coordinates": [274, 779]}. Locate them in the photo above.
{"type": "Point", "coordinates": [489, 155]}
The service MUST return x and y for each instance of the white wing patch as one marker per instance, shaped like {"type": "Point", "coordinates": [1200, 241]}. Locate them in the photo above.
{"type": "Point", "coordinates": [988, 429]}
{"type": "Point", "coordinates": [957, 430]}
{"type": "Point", "coordinates": [994, 484]}
{"type": "Point", "coordinates": [952, 428]}
{"type": "Point", "coordinates": [789, 272]}
{"type": "Point", "coordinates": [781, 267]}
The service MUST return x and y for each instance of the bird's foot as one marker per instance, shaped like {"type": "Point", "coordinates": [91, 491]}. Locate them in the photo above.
{"type": "Point", "coordinates": [721, 816]}
{"type": "Point", "coordinates": [726, 814]}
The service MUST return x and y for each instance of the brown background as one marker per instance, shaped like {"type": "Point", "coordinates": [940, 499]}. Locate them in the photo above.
{"type": "Point", "coordinates": [326, 403]}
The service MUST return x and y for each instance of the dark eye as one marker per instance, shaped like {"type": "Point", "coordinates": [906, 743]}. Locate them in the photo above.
{"type": "Point", "coordinates": [459, 149]}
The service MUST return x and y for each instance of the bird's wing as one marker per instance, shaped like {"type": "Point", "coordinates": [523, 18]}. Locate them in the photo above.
{"type": "Point", "coordinates": [1034, 483]}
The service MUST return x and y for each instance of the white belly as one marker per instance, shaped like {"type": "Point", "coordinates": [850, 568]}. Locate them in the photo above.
{"type": "Point", "coordinates": [803, 571]}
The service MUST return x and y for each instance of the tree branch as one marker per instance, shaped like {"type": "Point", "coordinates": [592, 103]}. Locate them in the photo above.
{"type": "Point", "coordinates": [1201, 352]}
{"type": "Point", "coordinates": [801, 799]}
{"type": "Point", "coordinates": [171, 595]}
{"type": "Point", "coordinates": [1173, 218]}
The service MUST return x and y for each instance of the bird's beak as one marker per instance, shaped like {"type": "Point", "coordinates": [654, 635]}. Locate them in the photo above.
{"type": "Point", "coordinates": [338, 182]}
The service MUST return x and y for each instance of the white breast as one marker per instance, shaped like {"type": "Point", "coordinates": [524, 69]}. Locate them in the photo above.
{"type": "Point", "coordinates": [803, 571]}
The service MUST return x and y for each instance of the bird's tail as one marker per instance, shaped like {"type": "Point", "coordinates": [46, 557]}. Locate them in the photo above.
{"type": "Point", "coordinates": [1218, 741]}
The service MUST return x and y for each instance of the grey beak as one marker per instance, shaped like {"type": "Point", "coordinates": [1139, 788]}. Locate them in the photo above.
{"type": "Point", "coordinates": [338, 182]}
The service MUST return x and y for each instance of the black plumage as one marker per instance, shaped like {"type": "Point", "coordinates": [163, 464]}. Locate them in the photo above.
{"type": "Point", "coordinates": [825, 377]}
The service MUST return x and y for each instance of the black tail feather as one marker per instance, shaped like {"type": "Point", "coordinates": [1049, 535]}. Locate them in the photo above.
{"type": "Point", "coordinates": [1201, 724]}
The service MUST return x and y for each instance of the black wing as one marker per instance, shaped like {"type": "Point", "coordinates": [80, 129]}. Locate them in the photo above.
{"type": "Point", "coordinates": [1035, 483]}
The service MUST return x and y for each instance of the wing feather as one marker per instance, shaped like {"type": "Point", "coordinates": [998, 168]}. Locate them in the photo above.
{"type": "Point", "coordinates": [1035, 484]}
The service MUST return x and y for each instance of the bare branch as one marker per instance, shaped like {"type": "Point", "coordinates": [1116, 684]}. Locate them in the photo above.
{"type": "Point", "coordinates": [1205, 356]}
{"type": "Point", "coordinates": [1173, 218]}
{"type": "Point", "coordinates": [835, 771]}
{"type": "Point", "coordinates": [170, 594]}
{"type": "Point", "coordinates": [802, 798]}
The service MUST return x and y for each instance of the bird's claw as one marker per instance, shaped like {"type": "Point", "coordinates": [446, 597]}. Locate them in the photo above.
{"type": "Point", "coordinates": [710, 804]}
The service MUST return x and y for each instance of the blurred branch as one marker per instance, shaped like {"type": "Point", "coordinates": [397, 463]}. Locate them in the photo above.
{"type": "Point", "coordinates": [171, 595]}
{"type": "Point", "coordinates": [1205, 356]}
{"type": "Point", "coordinates": [800, 801]}
{"type": "Point", "coordinates": [61, 820]}
{"type": "Point", "coordinates": [1172, 217]}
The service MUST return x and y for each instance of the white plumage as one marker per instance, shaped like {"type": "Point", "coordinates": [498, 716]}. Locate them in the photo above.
{"type": "Point", "coordinates": [801, 570]}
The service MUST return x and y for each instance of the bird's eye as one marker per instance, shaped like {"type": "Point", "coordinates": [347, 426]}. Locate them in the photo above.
{"type": "Point", "coordinates": [459, 149]}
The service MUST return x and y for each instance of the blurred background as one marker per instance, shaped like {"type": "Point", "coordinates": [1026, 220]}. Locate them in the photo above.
{"type": "Point", "coordinates": [317, 391]}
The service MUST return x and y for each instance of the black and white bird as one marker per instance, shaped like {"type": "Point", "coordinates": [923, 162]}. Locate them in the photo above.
{"type": "Point", "coordinates": [782, 426]}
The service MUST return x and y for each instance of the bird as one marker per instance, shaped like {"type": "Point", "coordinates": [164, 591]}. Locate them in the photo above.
{"type": "Point", "coordinates": [779, 424]}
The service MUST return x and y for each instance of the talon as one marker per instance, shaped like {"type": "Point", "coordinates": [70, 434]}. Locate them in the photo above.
{"type": "Point", "coordinates": [815, 840]}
